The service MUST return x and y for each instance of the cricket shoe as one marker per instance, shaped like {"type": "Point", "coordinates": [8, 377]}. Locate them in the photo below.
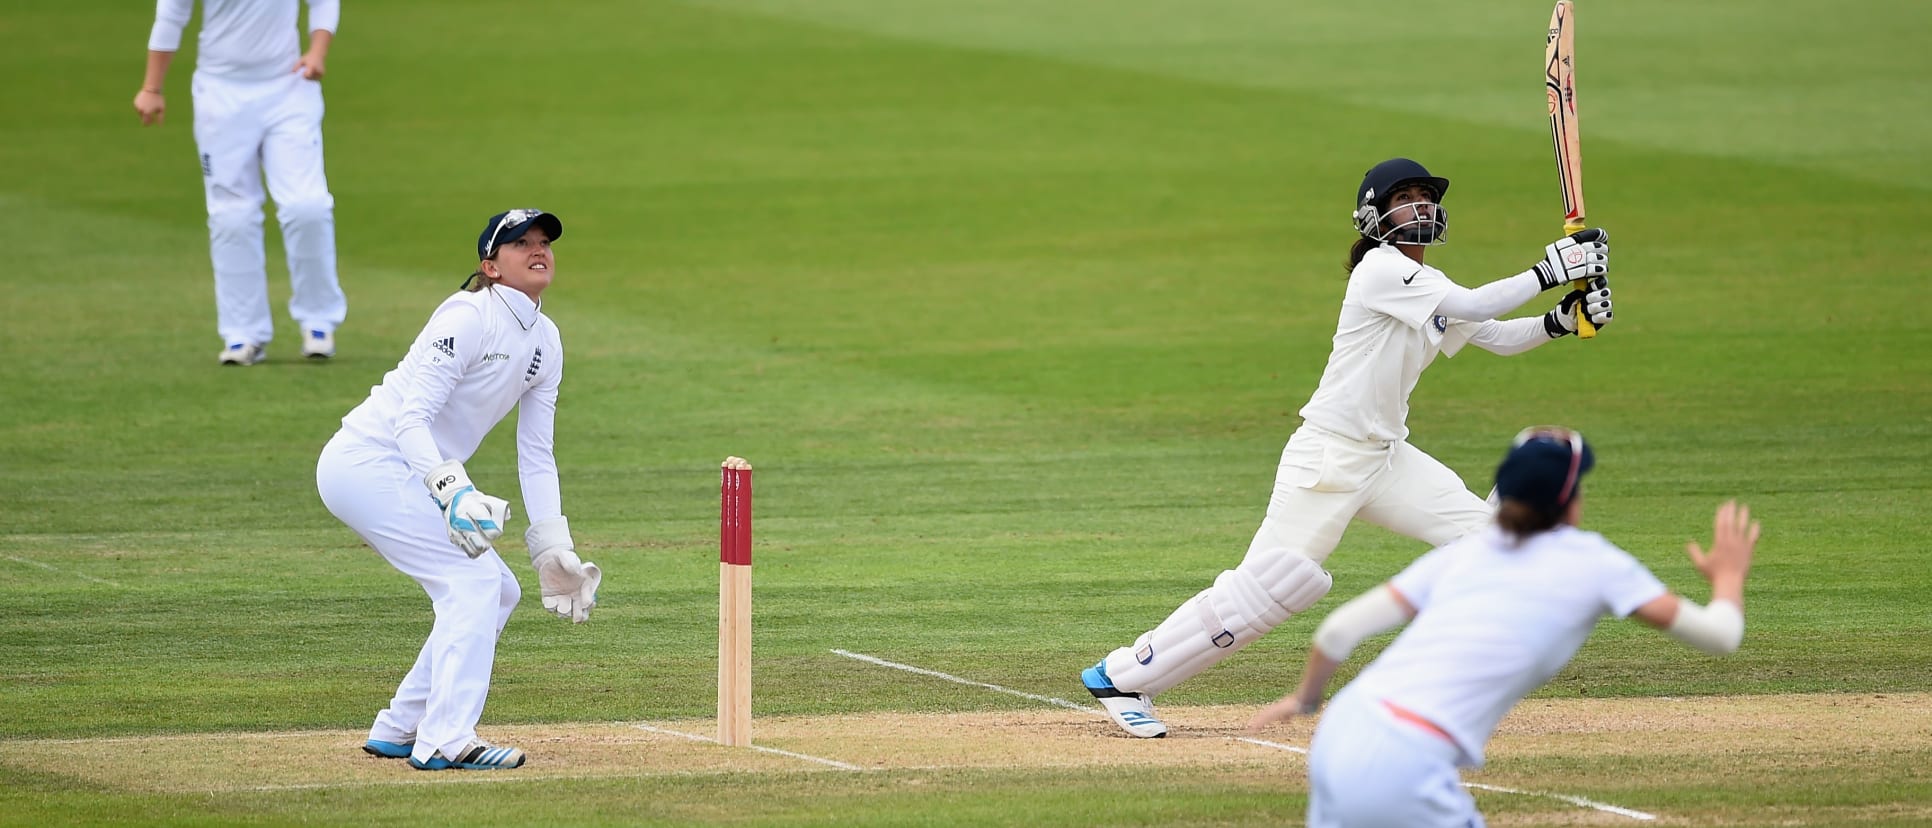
{"type": "Point", "coordinates": [388, 750]}
{"type": "Point", "coordinates": [479, 755]}
{"type": "Point", "coordinates": [1132, 711]}
{"type": "Point", "coordinates": [318, 345]}
{"type": "Point", "coordinates": [243, 353]}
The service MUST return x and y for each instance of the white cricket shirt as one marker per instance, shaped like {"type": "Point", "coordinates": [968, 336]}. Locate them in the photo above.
{"type": "Point", "coordinates": [481, 355]}
{"type": "Point", "coordinates": [1388, 331]}
{"type": "Point", "coordinates": [246, 40]}
{"type": "Point", "coordinates": [1494, 622]}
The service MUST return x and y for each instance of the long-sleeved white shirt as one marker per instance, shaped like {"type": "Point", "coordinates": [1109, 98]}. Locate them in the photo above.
{"type": "Point", "coordinates": [246, 40]}
{"type": "Point", "coordinates": [481, 355]}
{"type": "Point", "coordinates": [1391, 327]}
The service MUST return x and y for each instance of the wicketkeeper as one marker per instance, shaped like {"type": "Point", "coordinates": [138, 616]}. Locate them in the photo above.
{"type": "Point", "coordinates": [394, 473]}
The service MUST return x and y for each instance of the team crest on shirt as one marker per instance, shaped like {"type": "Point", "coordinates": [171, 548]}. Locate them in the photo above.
{"type": "Point", "coordinates": [1441, 323]}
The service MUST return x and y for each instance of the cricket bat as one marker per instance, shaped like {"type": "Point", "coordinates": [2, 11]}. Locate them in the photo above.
{"type": "Point", "coordinates": [1559, 80]}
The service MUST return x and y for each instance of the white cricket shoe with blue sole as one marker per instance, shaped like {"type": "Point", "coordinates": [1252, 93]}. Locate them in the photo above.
{"type": "Point", "coordinates": [1132, 711]}
{"type": "Point", "coordinates": [479, 755]}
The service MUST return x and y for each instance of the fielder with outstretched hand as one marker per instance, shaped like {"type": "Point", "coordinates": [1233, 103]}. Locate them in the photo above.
{"type": "Point", "coordinates": [487, 349]}
{"type": "Point", "coordinates": [1351, 457]}
{"type": "Point", "coordinates": [1488, 619]}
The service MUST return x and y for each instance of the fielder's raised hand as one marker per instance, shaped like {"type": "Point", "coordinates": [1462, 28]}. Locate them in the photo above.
{"type": "Point", "coordinates": [1580, 255]}
{"type": "Point", "coordinates": [569, 584]}
{"type": "Point", "coordinates": [1560, 321]}
{"type": "Point", "coordinates": [473, 518]}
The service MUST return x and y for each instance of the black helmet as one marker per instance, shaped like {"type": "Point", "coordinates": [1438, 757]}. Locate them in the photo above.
{"type": "Point", "coordinates": [1372, 198]}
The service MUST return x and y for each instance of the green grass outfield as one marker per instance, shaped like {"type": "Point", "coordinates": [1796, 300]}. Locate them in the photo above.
{"type": "Point", "coordinates": [1013, 305]}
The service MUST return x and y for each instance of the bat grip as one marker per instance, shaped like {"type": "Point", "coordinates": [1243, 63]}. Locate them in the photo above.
{"type": "Point", "coordinates": [1584, 328]}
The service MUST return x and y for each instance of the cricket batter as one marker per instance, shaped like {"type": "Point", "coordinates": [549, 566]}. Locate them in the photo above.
{"type": "Point", "coordinates": [258, 112]}
{"type": "Point", "coordinates": [394, 473]}
{"type": "Point", "coordinates": [1490, 618]}
{"type": "Point", "coordinates": [1351, 457]}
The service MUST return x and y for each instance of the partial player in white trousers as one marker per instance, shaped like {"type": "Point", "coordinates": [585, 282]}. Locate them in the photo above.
{"type": "Point", "coordinates": [1351, 457]}
{"type": "Point", "coordinates": [258, 114]}
{"type": "Point", "coordinates": [1490, 618]}
{"type": "Point", "coordinates": [394, 473]}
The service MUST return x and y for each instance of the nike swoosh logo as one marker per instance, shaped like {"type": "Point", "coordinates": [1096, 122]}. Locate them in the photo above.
{"type": "Point", "coordinates": [1411, 278]}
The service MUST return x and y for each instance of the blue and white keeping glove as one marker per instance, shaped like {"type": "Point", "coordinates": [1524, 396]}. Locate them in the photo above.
{"type": "Point", "coordinates": [1561, 320]}
{"type": "Point", "coordinates": [1580, 255]}
{"type": "Point", "coordinates": [473, 518]}
{"type": "Point", "coordinates": [569, 584]}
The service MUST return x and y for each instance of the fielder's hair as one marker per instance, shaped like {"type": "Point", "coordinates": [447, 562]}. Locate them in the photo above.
{"type": "Point", "coordinates": [1362, 246]}
{"type": "Point", "coordinates": [476, 282]}
{"type": "Point", "coordinates": [1521, 521]}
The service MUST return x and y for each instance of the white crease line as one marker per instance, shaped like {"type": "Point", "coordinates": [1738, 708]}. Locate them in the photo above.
{"type": "Point", "coordinates": [1276, 745]}
{"type": "Point", "coordinates": [51, 568]}
{"type": "Point", "coordinates": [502, 778]}
{"type": "Point", "coordinates": [1573, 800]}
{"type": "Point", "coordinates": [957, 680]}
{"type": "Point", "coordinates": [760, 748]}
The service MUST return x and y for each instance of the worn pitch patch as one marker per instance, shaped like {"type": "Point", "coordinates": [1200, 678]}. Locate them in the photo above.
{"type": "Point", "coordinates": [1788, 726]}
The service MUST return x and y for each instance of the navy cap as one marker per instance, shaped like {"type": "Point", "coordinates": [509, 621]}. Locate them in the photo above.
{"type": "Point", "coordinates": [510, 225]}
{"type": "Point", "coordinates": [1544, 468]}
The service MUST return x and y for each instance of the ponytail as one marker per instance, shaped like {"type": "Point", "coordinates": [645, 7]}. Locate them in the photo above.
{"type": "Point", "coordinates": [1520, 520]}
{"type": "Point", "coordinates": [1361, 248]}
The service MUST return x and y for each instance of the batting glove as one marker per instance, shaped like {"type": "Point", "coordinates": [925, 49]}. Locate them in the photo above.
{"type": "Point", "coordinates": [1561, 320]}
{"type": "Point", "coordinates": [569, 584]}
{"type": "Point", "coordinates": [1580, 255]}
{"type": "Point", "coordinates": [473, 518]}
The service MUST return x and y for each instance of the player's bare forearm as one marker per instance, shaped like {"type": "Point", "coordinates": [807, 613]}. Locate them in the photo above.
{"type": "Point", "coordinates": [1314, 679]}
{"type": "Point", "coordinates": [157, 74]}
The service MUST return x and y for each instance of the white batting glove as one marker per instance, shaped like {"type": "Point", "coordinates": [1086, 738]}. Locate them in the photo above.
{"type": "Point", "coordinates": [1580, 255]}
{"type": "Point", "coordinates": [1561, 320]}
{"type": "Point", "coordinates": [473, 518]}
{"type": "Point", "coordinates": [569, 584]}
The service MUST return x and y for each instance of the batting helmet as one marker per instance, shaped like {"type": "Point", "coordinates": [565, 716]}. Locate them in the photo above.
{"type": "Point", "coordinates": [1372, 202]}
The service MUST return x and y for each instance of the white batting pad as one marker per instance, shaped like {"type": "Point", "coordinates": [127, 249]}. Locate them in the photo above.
{"type": "Point", "coordinates": [1212, 625]}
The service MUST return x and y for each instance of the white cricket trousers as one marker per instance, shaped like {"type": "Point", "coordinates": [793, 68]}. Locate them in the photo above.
{"type": "Point", "coordinates": [1369, 769]}
{"type": "Point", "coordinates": [243, 131]}
{"type": "Point", "coordinates": [439, 702]}
{"type": "Point", "coordinates": [1325, 480]}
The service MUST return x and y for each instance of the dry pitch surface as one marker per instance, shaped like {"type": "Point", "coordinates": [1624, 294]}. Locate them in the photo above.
{"type": "Point", "coordinates": [1714, 741]}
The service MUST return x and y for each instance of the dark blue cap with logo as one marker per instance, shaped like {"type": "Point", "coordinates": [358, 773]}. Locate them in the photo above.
{"type": "Point", "coordinates": [1544, 468]}
{"type": "Point", "coordinates": [510, 225]}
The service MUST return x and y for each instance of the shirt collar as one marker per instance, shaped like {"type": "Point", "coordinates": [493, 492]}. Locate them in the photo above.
{"type": "Point", "coordinates": [520, 306]}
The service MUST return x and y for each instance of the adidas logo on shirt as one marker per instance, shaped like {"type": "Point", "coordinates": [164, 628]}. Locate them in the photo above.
{"type": "Point", "coordinates": [536, 362]}
{"type": "Point", "coordinates": [447, 346]}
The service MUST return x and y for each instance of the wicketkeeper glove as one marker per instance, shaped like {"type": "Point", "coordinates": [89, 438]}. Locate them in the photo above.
{"type": "Point", "coordinates": [473, 518]}
{"type": "Point", "coordinates": [569, 584]}
{"type": "Point", "coordinates": [1561, 320]}
{"type": "Point", "coordinates": [1580, 255]}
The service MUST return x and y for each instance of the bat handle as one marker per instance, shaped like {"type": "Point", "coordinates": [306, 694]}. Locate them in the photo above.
{"type": "Point", "coordinates": [1584, 328]}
